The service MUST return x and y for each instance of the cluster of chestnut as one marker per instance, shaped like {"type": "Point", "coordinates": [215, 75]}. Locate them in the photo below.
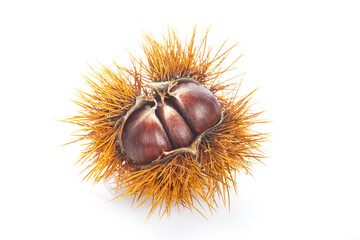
{"type": "Point", "coordinates": [168, 122]}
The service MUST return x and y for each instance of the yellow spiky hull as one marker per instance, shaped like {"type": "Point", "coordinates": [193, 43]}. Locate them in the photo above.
{"type": "Point", "coordinates": [184, 179]}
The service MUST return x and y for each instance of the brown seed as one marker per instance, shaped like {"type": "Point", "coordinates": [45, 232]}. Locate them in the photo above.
{"type": "Point", "coordinates": [197, 104]}
{"type": "Point", "coordinates": [144, 137]}
{"type": "Point", "coordinates": [177, 129]}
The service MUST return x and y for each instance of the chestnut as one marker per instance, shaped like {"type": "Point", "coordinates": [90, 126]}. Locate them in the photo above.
{"type": "Point", "coordinates": [169, 122]}
{"type": "Point", "coordinates": [197, 104]}
{"type": "Point", "coordinates": [179, 133]}
{"type": "Point", "coordinates": [144, 137]}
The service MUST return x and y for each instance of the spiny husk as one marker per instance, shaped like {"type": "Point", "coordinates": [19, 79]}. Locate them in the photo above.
{"type": "Point", "coordinates": [171, 59]}
{"type": "Point", "coordinates": [114, 92]}
{"type": "Point", "coordinates": [184, 179]}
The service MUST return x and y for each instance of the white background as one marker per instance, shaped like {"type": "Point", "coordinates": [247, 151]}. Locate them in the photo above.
{"type": "Point", "coordinates": [304, 56]}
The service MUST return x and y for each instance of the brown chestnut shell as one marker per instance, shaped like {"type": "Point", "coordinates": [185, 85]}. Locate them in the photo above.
{"type": "Point", "coordinates": [197, 104]}
{"type": "Point", "coordinates": [144, 129]}
{"type": "Point", "coordinates": [179, 133]}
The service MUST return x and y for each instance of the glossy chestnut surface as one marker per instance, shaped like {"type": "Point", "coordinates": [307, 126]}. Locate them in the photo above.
{"type": "Point", "coordinates": [179, 133]}
{"type": "Point", "coordinates": [169, 123]}
{"type": "Point", "coordinates": [197, 104]}
{"type": "Point", "coordinates": [144, 137]}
